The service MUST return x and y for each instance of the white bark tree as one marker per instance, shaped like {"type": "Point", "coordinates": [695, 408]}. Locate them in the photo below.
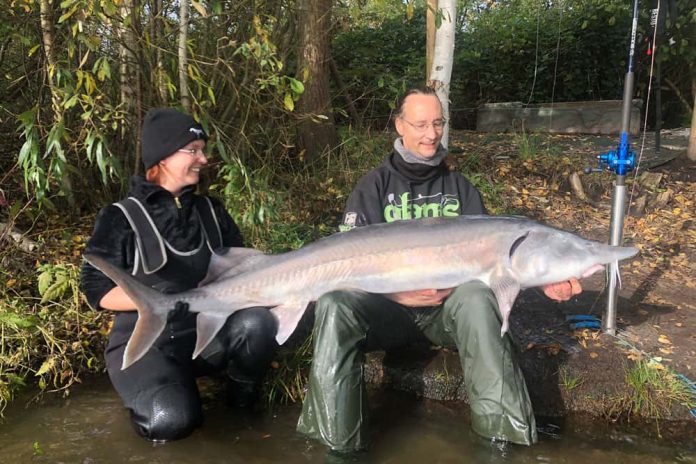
{"type": "Point", "coordinates": [443, 58]}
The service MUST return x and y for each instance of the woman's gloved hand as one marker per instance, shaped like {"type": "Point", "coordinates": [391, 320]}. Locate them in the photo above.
{"type": "Point", "coordinates": [179, 312]}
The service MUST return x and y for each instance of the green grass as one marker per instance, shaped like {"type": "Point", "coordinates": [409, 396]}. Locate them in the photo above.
{"type": "Point", "coordinates": [528, 144]}
{"type": "Point", "coordinates": [287, 379]}
{"type": "Point", "coordinates": [654, 390]}
{"type": "Point", "coordinates": [569, 382]}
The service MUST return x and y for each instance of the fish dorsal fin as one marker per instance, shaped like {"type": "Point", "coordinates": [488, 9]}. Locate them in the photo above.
{"type": "Point", "coordinates": [505, 287]}
{"type": "Point", "coordinates": [228, 262]}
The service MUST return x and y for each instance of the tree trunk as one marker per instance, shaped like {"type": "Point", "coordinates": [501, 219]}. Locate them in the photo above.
{"type": "Point", "coordinates": [157, 35]}
{"type": "Point", "coordinates": [128, 65]}
{"type": "Point", "coordinates": [183, 55]}
{"type": "Point", "coordinates": [128, 70]}
{"type": "Point", "coordinates": [443, 58]}
{"type": "Point", "coordinates": [316, 130]}
{"type": "Point", "coordinates": [430, 30]}
{"type": "Point", "coordinates": [48, 35]}
{"type": "Point", "coordinates": [691, 150]}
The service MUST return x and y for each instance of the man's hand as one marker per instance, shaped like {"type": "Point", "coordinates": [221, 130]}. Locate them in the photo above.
{"type": "Point", "coordinates": [563, 291]}
{"type": "Point", "coordinates": [420, 298]}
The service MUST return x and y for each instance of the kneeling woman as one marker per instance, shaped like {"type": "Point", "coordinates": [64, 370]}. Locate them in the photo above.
{"type": "Point", "coordinates": [164, 234]}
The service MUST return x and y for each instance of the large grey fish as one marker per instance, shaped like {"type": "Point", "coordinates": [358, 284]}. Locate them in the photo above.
{"type": "Point", "coordinates": [506, 253]}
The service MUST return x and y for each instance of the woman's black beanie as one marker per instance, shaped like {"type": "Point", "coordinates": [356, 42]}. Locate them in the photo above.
{"type": "Point", "coordinates": [164, 131]}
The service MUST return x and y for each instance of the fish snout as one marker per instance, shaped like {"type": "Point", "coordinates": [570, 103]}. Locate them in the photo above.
{"type": "Point", "coordinates": [625, 252]}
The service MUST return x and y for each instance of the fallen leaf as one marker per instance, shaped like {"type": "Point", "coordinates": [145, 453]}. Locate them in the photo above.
{"type": "Point", "coordinates": [593, 355]}
{"type": "Point", "coordinates": [663, 339]}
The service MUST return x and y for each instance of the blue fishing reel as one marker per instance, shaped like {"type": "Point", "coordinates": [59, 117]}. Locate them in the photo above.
{"type": "Point", "coordinates": [621, 161]}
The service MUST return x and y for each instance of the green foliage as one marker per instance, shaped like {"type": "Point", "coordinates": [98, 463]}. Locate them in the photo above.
{"type": "Point", "coordinates": [520, 50]}
{"type": "Point", "coordinates": [528, 52]}
{"type": "Point", "coordinates": [29, 159]}
{"type": "Point", "coordinates": [74, 112]}
{"type": "Point", "coordinates": [80, 128]}
{"type": "Point", "coordinates": [380, 60]}
{"type": "Point", "coordinates": [49, 338]}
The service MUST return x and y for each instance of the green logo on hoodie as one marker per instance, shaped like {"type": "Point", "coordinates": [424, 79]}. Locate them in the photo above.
{"type": "Point", "coordinates": [422, 206]}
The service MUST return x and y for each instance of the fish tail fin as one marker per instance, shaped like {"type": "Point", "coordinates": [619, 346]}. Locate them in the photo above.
{"type": "Point", "coordinates": [151, 320]}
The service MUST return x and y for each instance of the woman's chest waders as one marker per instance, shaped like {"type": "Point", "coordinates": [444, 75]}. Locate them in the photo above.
{"type": "Point", "coordinates": [161, 266]}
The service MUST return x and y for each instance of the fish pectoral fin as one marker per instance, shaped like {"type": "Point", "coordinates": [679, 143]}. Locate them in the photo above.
{"type": "Point", "coordinates": [288, 316]}
{"type": "Point", "coordinates": [147, 329]}
{"type": "Point", "coordinates": [506, 288]}
{"type": "Point", "coordinates": [207, 326]}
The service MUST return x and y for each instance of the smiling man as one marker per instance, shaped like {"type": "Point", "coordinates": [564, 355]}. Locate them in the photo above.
{"type": "Point", "coordinates": [414, 182]}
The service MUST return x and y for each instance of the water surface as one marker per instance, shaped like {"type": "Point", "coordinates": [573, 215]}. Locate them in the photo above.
{"type": "Point", "coordinates": [92, 427]}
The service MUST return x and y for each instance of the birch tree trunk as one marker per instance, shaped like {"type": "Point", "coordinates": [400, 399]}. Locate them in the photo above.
{"type": "Point", "coordinates": [316, 131]}
{"type": "Point", "coordinates": [183, 55]}
{"type": "Point", "coordinates": [443, 58]}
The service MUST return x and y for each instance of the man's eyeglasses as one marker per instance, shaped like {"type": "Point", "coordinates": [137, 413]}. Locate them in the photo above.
{"type": "Point", "coordinates": [438, 125]}
{"type": "Point", "coordinates": [193, 151]}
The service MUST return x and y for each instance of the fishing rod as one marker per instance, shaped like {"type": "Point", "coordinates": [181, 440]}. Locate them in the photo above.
{"type": "Point", "coordinates": [621, 161]}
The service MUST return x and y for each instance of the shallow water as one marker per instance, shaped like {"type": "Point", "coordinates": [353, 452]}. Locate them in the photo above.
{"type": "Point", "coordinates": [91, 427]}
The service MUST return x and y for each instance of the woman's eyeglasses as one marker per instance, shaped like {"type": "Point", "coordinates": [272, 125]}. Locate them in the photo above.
{"type": "Point", "coordinates": [193, 151]}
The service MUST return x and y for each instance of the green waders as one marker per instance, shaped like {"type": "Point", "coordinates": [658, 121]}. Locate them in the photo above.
{"type": "Point", "coordinates": [349, 324]}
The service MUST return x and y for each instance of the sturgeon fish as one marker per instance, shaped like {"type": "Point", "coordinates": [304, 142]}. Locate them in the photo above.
{"type": "Point", "coordinates": [506, 253]}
